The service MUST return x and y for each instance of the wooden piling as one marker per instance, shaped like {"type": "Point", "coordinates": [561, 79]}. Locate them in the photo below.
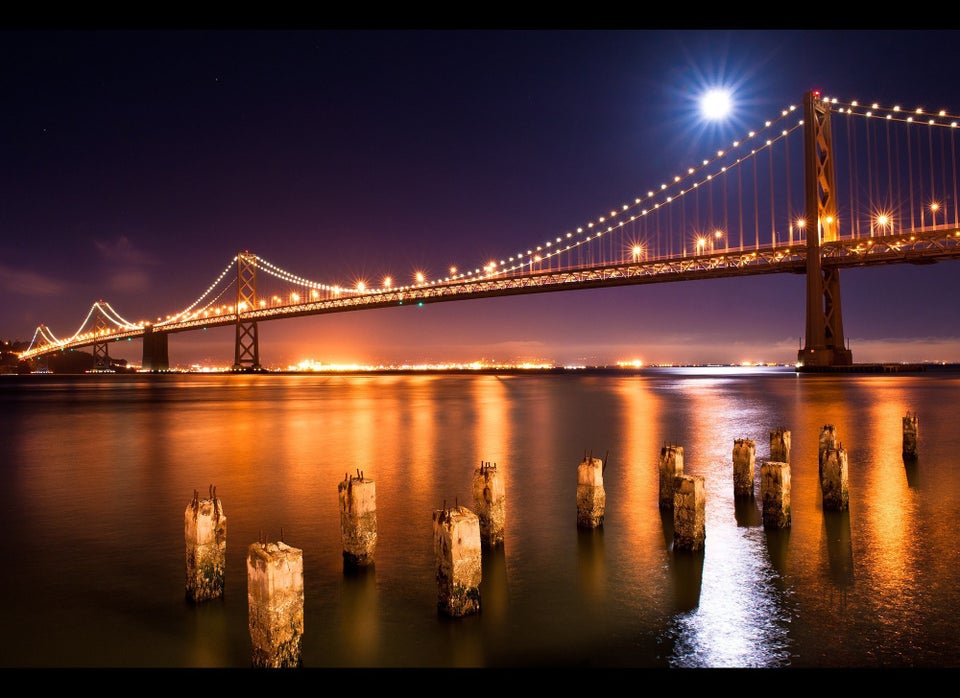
{"type": "Point", "coordinates": [275, 604]}
{"type": "Point", "coordinates": [775, 494]}
{"type": "Point", "coordinates": [834, 480]}
{"type": "Point", "coordinates": [456, 543]}
{"type": "Point", "coordinates": [828, 440]}
{"type": "Point", "coordinates": [205, 535]}
{"type": "Point", "coordinates": [671, 467]}
{"type": "Point", "coordinates": [489, 499]}
{"type": "Point", "coordinates": [358, 519]}
{"type": "Point", "coordinates": [911, 434]}
{"type": "Point", "coordinates": [780, 445]}
{"type": "Point", "coordinates": [689, 513]}
{"type": "Point", "coordinates": [591, 496]}
{"type": "Point", "coordinates": [744, 467]}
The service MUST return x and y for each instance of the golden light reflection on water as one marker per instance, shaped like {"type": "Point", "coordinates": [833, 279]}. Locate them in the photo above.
{"type": "Point", "coordinates": [871, 586]}
{"type": "Point", "coordinates": [639, 480]}
{"type": "Point", "coordinates": [888, 514]}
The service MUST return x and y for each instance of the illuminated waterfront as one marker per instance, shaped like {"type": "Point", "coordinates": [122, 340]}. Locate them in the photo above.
{"type": "Point", "coordinates": [97, 471]}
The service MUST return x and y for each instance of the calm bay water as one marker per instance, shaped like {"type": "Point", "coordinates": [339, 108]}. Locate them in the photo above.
{"type": "Point", "coordinates": [96, 472]}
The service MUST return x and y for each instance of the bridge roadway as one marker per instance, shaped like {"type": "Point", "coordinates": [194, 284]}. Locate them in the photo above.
{"type": "Point", "coordinates": [923, 246]}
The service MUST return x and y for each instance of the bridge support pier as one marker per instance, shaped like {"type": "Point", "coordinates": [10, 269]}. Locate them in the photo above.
{"type": "Point", "coordinates": [155, 356]}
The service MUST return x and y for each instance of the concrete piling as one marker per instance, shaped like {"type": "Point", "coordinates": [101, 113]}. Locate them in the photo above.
{"type": "Point", "coordinates": [689, 513]}
{"type": "Point", "coordinates": [456, 543]}
{"type": "Point", "coordinates": [775, 493]}
{"type": "Point", "coordinates": [275, 604]}
{"type": "Point", "coordinates": [591, 497]}
{"type": "Point", "coordinates": [780, 445]}
{"type": "Point", "coordinates": [833, 479]}
{"type": "Point", "coordinates": [205, 535]}
{"type": "Point", "coordinates": [489, 499]}
{"type": "Point", "coordinates": [911, 434]}
{"type": "Point", "coordinates": [671, 467]}
{"type": "Point", "coordinates": [828, 440]}
{"type": "Point", "coordinates": [744, 467]}
{"type": "Point", "coordinates": [358, 519]}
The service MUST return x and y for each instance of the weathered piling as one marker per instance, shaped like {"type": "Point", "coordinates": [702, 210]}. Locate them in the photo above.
{"type": "Point", "coordinates": [689, 513]}
{"type": "Point", "coordinates": [744, 467]}
{"type": "Point", "coordinates": [775, 494]}
{"type": "Point", "coordinates": [489, 497]}
{"type": "Point", "coordinates": [780, 445]}
{"type": "Point", "coordinates": [275, 604]}
{"type": "Point", "coordinates": [591, 497]}
{"type": "Point", "coordinates": [828, 440]}
{"type": "Point", "coordinates": [456, 543]}
{"type": "Point", "coordinates": [911, 434]}
{"type": "Point", "coordinates": [671, 467]}
{"type": "Point", "coordinates": [833, 479]}
{"type": "Point", "coordinates": [205, 535]}
{"type": "Point", "coordinates": [358, 519]}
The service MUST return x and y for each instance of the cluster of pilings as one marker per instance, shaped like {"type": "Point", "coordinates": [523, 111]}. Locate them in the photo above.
{"type": "Point", "coordinates": [275, 570]}
{"type": "Point", "coordinates": [684, 494]}
{"type": "Point", "coordinates": [459, 536]}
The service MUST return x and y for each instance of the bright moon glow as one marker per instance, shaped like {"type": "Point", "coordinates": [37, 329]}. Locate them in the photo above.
{"type": "Point", "coordinates": [715, 104]}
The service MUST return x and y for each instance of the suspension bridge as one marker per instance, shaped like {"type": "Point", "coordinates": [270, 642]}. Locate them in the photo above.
{"type": "Point", "coordinates": [822, 187]}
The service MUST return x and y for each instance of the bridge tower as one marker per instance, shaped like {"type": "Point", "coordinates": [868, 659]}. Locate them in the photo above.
{"type": "Point", "coordinates": [824, 344]}
{"type": "Point", "coordinates": [247, 347]}
{"type": "Point", "coordinates": [42, 362]}
{"type": "Point", "coordinates": [101, 354]}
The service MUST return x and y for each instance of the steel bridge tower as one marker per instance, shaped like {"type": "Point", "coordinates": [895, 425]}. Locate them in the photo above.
{"type": "Point", "coordinates": [824, 345]}
{"type": "Point", "coordinates": [101, 354]}
{"type": "Point", "coordinates": [247, 347]}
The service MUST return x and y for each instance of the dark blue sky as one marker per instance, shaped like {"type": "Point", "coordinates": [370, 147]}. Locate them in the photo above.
{"type": "Point", "coordinates": [135, 163]}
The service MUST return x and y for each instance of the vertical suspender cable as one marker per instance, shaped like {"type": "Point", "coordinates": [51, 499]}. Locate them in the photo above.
{"type": "Point", "coordinates": [786, 148]}
{"type": "Point", "coordinates": [943, 178]}
{"type": "Point", "coordinates": [870, 181]}
{"type": "Point", "coordinates": [933, 189]}
{"type": "Point", "coordinates": [852, 155]}
{"type": "Point", "coordinates": [740, 199]}
{"type": "Point", "coordinates": [953, 160]}
{"type": "Point", "coordinates": [888, 200]}
{"type": "Point", "coordinates": [773, 225]}
{"type": "Point", "coordinates": [910, 178]}
{"type": "Point", "coordinates": [756, 202]}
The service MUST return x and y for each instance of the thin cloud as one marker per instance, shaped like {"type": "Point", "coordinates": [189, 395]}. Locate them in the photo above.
{"type": "Point", "coordinates": [122, 251]}
{"type": "Point", "coordinates": [124, 264]}
{"type": "Point", "coordinates": [28, 283]}
{"type": "Point", "coordinates": [129, 280]}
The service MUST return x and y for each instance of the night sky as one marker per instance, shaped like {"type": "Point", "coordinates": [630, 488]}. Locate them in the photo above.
{"type": "Point", "coordinates": [134, 164]}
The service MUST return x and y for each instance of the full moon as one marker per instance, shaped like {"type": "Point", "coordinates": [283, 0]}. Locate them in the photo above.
{"type": "Point", "coordinates": [715, 104]}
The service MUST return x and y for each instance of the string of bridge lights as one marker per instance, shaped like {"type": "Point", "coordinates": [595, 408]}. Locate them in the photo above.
{"type": "Point", "coordinates": [895, 113]}
{"type": "Point", "coordinates": [593, 229]}
{"type": "Point", "coordinates": [654, 200]}
{"type": "Point", "coordinates": [178, 316]}
{"type": "Point", "coordinates": [106, 311]}
{"type": "Point", "coordinates": [673, 190]}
